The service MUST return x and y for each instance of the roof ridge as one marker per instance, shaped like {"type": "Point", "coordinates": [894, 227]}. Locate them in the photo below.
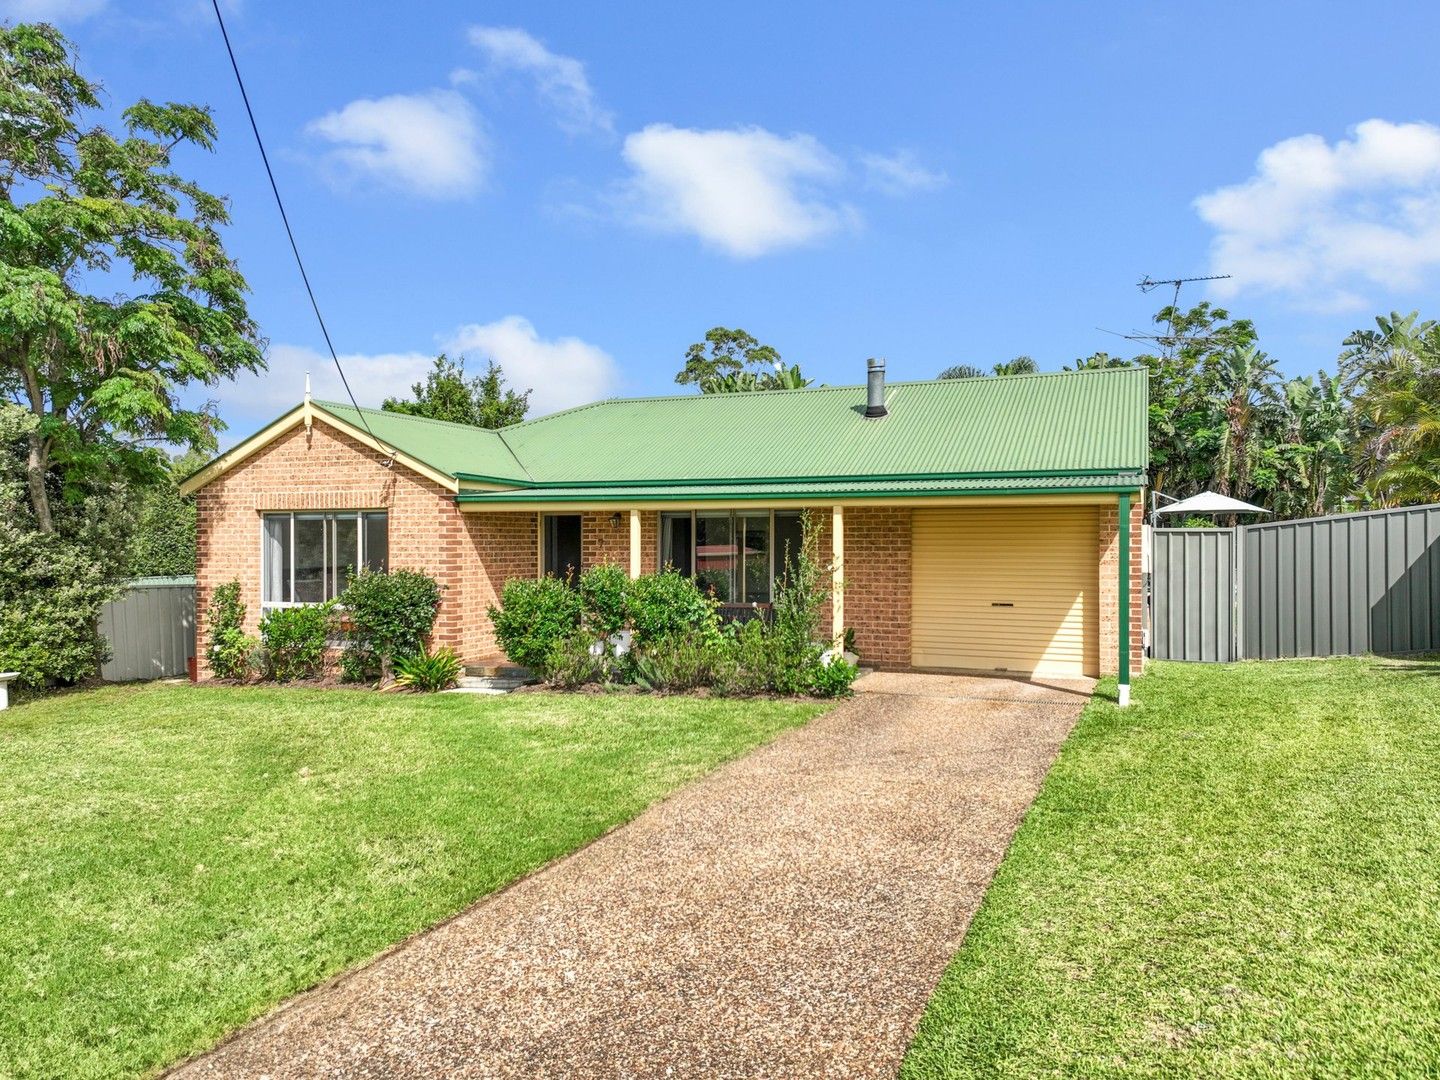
{"type": "Point", "coordinates": [745, 394]}
{"type": "Point", "coordinates": [390, 413]}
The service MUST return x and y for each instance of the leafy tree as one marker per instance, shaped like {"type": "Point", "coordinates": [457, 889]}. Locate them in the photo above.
{"type": "Point", "coordinates": [1393, 376]}
{"type": "Point", "coordinates": [732, 361]}
{"type": "Point", "coordinates": [447, 394]}
{"type": "Point", "coordinates": [1246, 396]}
{"type": "Point", "coordinates": [103, 375]}
{"type": "Point", "coordinates": [164, 540]}
{"type": "Point", "coordinates": [1020, 365]}
{"type": "Point", "coordinates": [1098, 360]}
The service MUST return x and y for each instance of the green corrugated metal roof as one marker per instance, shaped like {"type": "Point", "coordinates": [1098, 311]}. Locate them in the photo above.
{"type": "Point", "coordinates": [983, 431]}
{"type": "Point", "coordinates": [448, 448]}
{"type": "Point", "coordinates": [859, 487]}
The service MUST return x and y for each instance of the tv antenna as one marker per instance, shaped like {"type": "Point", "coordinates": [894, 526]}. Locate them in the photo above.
{"type": "Point", "coordinates": [1167, 340]}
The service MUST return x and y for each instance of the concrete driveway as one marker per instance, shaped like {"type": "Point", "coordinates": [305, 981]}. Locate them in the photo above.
{"type": "Point", "coordinates": [786, 916]}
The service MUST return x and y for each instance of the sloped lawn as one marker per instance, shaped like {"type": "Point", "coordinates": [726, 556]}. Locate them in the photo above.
{"type": "Point", "coordinates": [176, 860]}
{"type": "Point", "coordinates": [1238, 877]}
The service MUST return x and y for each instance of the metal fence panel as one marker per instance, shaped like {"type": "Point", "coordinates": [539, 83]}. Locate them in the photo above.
{"type": "Point", "coordinates": [1334, 586]}
{"type": "Point", "coordinates": [1192, 594]}
{"type": "Point", "coordinates": [1344, 585]}
{"type": "Point", "coordinates": [151, 630]}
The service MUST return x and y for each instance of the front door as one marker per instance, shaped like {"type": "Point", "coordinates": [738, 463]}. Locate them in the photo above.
{"type": "Point", "coordinates": [562, 546]}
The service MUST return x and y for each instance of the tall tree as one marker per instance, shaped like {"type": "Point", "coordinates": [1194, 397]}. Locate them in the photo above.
{"type": "Point", "coordinates": [733, 361]}
{"type": "Point", "coordinates": [1020, 365]}
{"type": "Point", "coordinates": [961, 371]}
{"type": "Point", "coordinates": [448, 394]}
{"type": "Point", "coordinates": [82, 208]}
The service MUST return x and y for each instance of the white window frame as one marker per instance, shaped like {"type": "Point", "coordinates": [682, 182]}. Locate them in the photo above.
{"type": "Point", "coordinates": [330, 568]}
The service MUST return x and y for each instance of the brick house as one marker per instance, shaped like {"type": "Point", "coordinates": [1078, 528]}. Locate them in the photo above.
{"type": "Point", "coordinates": [988, 524]}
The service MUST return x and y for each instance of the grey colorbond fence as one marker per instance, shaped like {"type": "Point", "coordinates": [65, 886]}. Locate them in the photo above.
{"type": "Point", "coordinates": [1192, 594]}
{"type": "Point", "coordinates": [1333, 586]}
{"type": "Point", "coordinates": [151, 630]}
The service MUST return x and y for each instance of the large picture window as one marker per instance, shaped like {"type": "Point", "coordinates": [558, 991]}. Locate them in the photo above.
{"type": "Point", "coordinates": [737, 555]}
{"type": "Point", "coordinates": [307, 558]}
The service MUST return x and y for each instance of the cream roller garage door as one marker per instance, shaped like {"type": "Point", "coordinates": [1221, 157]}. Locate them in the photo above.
{"type": "Point", "coordinates": [1006, 589]}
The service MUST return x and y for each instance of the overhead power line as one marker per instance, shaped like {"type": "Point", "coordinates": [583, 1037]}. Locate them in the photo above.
{"type": "Point", "coordinates": [290, 234]}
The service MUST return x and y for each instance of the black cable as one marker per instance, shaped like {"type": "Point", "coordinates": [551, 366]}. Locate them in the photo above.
{"type": "Point", "coordinates": [290, 233]}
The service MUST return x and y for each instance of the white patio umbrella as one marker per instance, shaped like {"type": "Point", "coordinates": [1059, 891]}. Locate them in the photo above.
{"type": "Point", "coordinates": [1209, 502]}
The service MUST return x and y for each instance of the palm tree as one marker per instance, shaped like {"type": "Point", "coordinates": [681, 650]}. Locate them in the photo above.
{"type": "Point", "coordinates": [961, 371]}
{"type": "Point", "coordinates": [1021, 365]}
{"type": "Point", "coordinates": [1245, 393]}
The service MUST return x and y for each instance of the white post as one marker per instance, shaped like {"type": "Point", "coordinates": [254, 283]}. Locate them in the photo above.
{"type": "Point", "coordinates": [5, 679]}
{"type": "Point", "coordinates": [634, 544]}
{"type": "Point", "coordinates": [837, 575]}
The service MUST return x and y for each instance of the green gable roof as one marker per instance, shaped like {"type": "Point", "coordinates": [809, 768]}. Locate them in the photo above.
{"type": "Point", "coordinates": [974, 434]}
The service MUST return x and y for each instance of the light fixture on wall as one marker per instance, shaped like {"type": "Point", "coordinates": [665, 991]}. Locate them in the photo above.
{"type": "Point", "coordinates": [615, 520]}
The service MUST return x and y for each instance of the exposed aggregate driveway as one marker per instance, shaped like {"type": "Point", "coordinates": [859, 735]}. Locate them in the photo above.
{"type": "Point", "coordinates": [786, 916]}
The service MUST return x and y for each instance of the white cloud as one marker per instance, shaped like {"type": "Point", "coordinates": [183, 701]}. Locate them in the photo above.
{"type": "Point", "coordinates": [51, 11]}
{"type": "Point", "coordinates": [746, 191]}
{"type": "Point", "coordinates": [561, 372]}
{"type": "Point", "coordinates": [900, 173]}
{"type": "Point", "coordinates": [430, 144]}
{"type": "Point", "coordinates": [1323, 223]}
{"type": "Point", "coordinates": [560, 80]}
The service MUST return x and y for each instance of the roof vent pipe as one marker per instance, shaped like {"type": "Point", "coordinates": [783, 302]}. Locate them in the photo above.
{"type": "Point", "coordinates": [875, 388]}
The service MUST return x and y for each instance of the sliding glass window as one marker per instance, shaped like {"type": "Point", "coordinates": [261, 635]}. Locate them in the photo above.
{"type": "Point", "coordinates": [736, 555]}
{"type": "Point", "coordinates": [308, 558]}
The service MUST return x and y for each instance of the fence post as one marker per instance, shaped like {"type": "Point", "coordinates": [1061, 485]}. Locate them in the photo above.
{"type": "Point", "coordinates": [1124, 592]}
{"type": "Point", "coordinates": [1237, 592]}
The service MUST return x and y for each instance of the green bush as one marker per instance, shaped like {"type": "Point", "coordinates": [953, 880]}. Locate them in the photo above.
{"type": "Point", "coordinates": [294, 640]}
{"type": "Point", "coordinates": [533, 617]}
{"type": "Point", "coordinates": [573, 660]}
{"type": "Point", "coordinates": [604, 591]}
{"type": "Point", "coordinates": [358, 663]}
{"type": "Point", "coordinates": [833, 679]}
{"type": "Point", "coordinates": [51, 591]}
{"type": "Point", "coordinates": [669, 605]}
{"type": "Point", "coordinates": [685, 662]}
{"type": "Point", "coordinates": [428, 672]}
{"type": "Point", "coordinates": [387, 615]}
{"type": "Point", "coordinates": [799, 600]}
{"type": "Point", "coordinates": [232, 651]}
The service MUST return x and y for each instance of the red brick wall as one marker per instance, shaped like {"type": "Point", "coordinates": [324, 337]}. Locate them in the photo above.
{"type": "Point", "coordinates": [877, 583]}
{"type": "Point", "coordinates": [1109, 554]}
{"type": "Point", "coordinates": [499, 546]}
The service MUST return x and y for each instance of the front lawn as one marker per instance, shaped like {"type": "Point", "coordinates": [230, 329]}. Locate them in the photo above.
{"type": "Point", "coordinates": [175, 860]}
{"type": "Point", "coordinates": [1238, 876]}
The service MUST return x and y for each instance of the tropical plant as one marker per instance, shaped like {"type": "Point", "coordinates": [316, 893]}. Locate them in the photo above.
{"type": "Point", "coordinates": [428, 672]}
{"type": "Point", "coordinates": [733, 362]}
{"type": "Point", "coordinates": [1020, 365]}
{"type": "Point", "coordinates": [961, 371]}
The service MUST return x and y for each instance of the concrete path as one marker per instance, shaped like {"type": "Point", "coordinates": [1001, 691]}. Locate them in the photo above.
{"type": "Point", "coordinates": [786, 916]}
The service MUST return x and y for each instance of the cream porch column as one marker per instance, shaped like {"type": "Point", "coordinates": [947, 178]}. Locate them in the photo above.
{"type": "Point", "coordinates": [837, 576]}
{"type": "Point", "coordinates": [634, 543]}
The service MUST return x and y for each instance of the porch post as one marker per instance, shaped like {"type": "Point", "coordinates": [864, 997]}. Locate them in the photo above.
{"type": "Point", "coordinates": [634, 544]}
{"type": "Point", "coordinates": [1124, 598]}
{"type": "Point", "coordinates": [837, 578]}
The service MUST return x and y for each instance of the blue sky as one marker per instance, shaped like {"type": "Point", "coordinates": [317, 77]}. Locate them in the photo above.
{"type": "Point", "coordinates": [581, 191]}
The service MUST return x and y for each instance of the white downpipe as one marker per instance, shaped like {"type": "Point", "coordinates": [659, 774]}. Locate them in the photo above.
{"type": "Point", "coordinates": [1124, 695]}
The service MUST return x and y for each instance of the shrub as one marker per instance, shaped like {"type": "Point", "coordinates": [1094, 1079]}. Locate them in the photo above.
{"type": "Point", "coordinates": [680, 663]}
{"type": "Point", "coordinates": [51, 591]}
{"type": "Point", "coordinates": [800, 597]}
{"type": "Point", "coordinates": [294, 640]}
{"type": "Point", "coordinates": [749, 664]}
{"type": "Point", "coordinates": [232, 651]}
{"type": "Point", "coordinates": [603, 591]}
{"type": "Point", "coordinates": [669, 605]}
{"type": "Point", "coordinates": [833, 679]}
{"type": "Point", "coordinates": [533, 617]}
{"type": "Point", "coordinates": [388, 615]}
{"type": "Point", "coordinates": [358, 663]}
{"type": "Point", "coordinates": [428, 672]}
{"type": "Point", "coordinates": [573, 660]}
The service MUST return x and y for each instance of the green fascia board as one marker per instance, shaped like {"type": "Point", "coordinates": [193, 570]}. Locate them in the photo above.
{"type": "Point", "coordinates": [1112, 483]}
{"type": "Point", "coordinates": [730, 481]}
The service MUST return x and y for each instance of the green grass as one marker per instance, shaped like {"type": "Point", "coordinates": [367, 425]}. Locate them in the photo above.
{"type": "Point", "coordinates": [176, 860]}
{"type": "Point", "coordinates": [1238, 876]}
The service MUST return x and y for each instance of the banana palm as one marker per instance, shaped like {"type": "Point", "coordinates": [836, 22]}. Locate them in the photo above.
{"type": "Point", "coordinates": [1246, 396]}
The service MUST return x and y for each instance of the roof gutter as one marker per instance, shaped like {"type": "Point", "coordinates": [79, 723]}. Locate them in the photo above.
{"type": "Point", "coordinates": [748, 481]}
{"type": "Point", "coordinates": [523, 497]}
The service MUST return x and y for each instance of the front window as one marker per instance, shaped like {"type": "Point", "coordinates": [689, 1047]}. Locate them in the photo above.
{"type": "Point", "coordinates": [737, 555]}
{"type": "Point", "coordinates": [308, 558]}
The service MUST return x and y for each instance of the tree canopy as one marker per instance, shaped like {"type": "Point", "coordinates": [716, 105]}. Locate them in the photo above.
{"type": "Point", "coordinates": [84, 213]}
{"type": "Point", "coordinates": [733, 361]}
{"type": "Point", "coordinates": [448, 394]}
